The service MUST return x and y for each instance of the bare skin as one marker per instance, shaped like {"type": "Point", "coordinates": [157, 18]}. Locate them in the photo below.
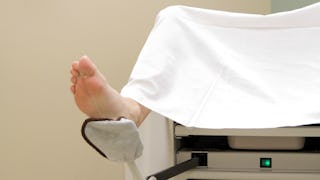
{"type": "Point", "coordinates": [97, 99]}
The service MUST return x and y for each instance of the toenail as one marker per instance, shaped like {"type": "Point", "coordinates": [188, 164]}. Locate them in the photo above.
{"type": "Point", "coordinates": [83, 75]}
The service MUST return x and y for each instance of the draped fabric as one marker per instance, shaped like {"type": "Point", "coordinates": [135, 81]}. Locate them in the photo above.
{"type": "Point", "coordinates": [215, 69]}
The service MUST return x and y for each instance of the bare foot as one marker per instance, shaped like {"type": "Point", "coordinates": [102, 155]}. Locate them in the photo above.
{"type": "Point", "coordinates": [96, 98]}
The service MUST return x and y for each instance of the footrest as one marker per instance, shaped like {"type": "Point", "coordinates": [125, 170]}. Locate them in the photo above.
{"type": "Point", "coordinates": [117, 140]}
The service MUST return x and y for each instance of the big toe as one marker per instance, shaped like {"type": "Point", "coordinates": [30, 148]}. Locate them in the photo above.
{"type": "Point", "coordinates": [86, 66]}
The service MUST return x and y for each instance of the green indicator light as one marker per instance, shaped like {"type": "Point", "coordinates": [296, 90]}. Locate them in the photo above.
{"type": "Point", "coordinates": [265, 163]}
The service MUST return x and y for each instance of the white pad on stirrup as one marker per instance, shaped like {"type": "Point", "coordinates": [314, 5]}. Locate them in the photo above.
{"type": "Point", "coordinates": [116, 140]}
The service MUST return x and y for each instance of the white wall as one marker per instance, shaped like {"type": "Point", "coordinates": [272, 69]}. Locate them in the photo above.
{"type": "Point", "coordinates": [40, 124]}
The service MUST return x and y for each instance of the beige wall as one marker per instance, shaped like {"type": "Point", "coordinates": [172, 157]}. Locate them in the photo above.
{"type": "Point", "coordinates": [40, 125]}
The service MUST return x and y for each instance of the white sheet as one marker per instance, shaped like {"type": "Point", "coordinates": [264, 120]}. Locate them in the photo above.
{"type": "Point", "coordinates": [213, 69]}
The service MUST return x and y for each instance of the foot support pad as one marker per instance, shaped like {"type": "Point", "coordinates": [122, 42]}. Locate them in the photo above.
{"type": "Point", "coordinates": [116, 140]}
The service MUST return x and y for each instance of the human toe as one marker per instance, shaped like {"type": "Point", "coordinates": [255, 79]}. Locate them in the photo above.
{"type": "Point", "coordinates": [74, 72]}
{"type": "Point", "coordinates": [73, 89]}
{"type": "Point", "coordinates": [86, 66]}
{"type": "Point", "coordinates": [74, 79]}
{"type": "Point", "coordinates": [75, 65]}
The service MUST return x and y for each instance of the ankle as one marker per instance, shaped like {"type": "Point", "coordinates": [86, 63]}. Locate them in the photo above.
{"type": "Point", "coordinates": [135, 111]}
